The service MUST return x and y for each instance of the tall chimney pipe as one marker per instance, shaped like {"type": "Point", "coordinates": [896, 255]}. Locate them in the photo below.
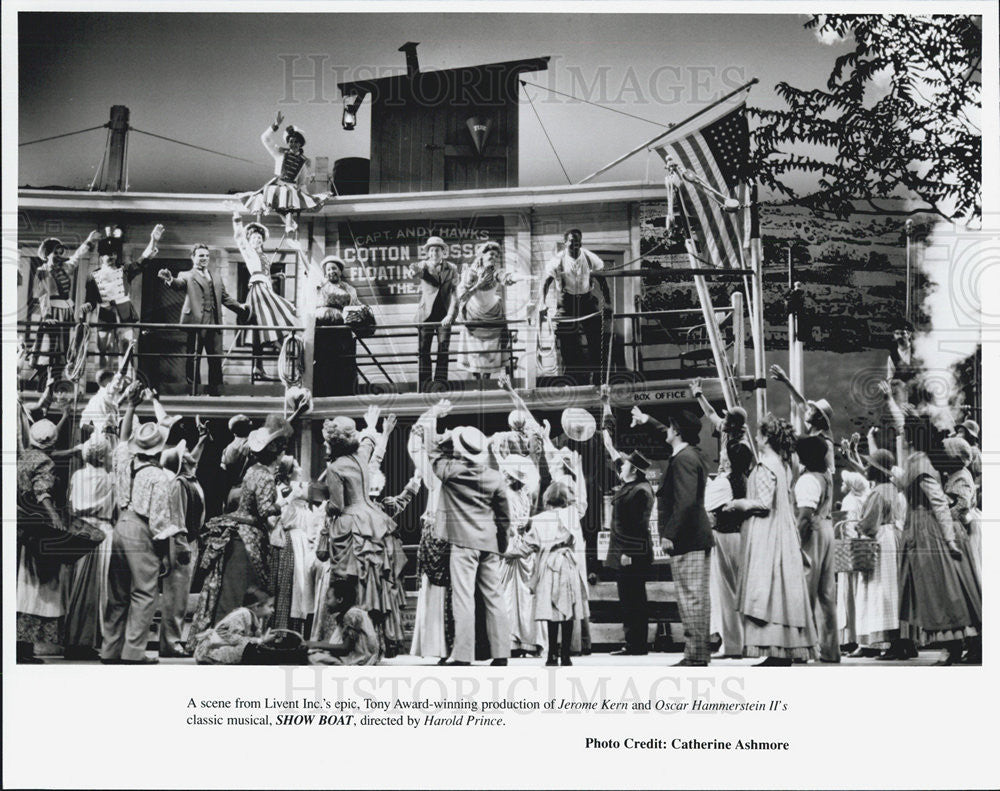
{"type": "Point", "coordinates": [412, 66]}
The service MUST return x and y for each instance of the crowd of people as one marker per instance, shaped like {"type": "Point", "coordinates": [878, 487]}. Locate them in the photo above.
{"type": "Point", "coordinates": [289, 570]}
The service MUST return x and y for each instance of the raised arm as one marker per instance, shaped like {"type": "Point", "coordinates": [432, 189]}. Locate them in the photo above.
{"type": "Point", "coordinates": [151, 248]}
{"type": "Point", "coordinates": [73, 261]}
{"type": "Point", "coordinates": [898, 419]}
{"type": "Point", "coordinates": [779, 375]}
{"type": "Point", "coordinates": [504, 383]}
{"type": "Point", "coordinates": [709, 411]}
{"type": "Point", "coordinates": [268, 137]}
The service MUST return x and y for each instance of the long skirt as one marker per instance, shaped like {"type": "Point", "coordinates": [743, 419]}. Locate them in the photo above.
{"type": "Point", "coordinates": [236, 558]}
{"type": "Point", "coordinates": [515, 576]}
{"type": "Point", "coordinates": [429, 621]}
{"type": "Point", "coordinates": [88, 596]}
{"type": "Point", "coordinates": [294, 587]}
{"type": "Point", "coordinates": [941, 599]}
{"type": "Point", "coordinates": [847, 586]}
{"type": "Point", "coordinates": [270, 309]}
{"type": "Point", "coordinates": [40, 605]}
{"type": "Point", "coordinates": [724, 580]}
{"type": "Point", "coordinates": [482, 347]}
{"type": "Point", "coordinates": [877, 598]}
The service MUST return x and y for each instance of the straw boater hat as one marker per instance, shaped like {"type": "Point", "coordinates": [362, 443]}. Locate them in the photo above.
{"type": "Point", "coordinates": [46, 247]}
{"type": "Point", "coordinates": [250, 227]}
{"type": "Point", "coordinates": [435, 241]}
{"type": "Point", "coordinates": [170, 421]}
{"type": "Point", "coordinates": [470, 443]}
{"type": "Point", "coordinates": [578, 424]}
{"type": "Point", "coordinates": [520, 468]}
{"type": "Point", "coordinates": [43, 434]}
{"type": "Point", "coordinates": [148, 440]}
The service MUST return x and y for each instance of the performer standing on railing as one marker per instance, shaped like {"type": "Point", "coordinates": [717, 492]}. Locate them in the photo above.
{"type": "Point", "coordinates": [204, 296]}
{"type": "Point", "coordinates": [438, 279]}
{"type": "Point", "coordinates": [571, 270]}
{"type": "Point", "coordinates": [285, 194]}
{"type": "Point", "coordinates": [107, 291]}
{"type": "Point", "coordinates": [55, 302]}
{"type": "Point", "coordinates": [267, 308]}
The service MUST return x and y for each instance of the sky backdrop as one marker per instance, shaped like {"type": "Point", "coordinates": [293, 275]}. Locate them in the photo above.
{"type": "Point", "coordinates": [216, 80]}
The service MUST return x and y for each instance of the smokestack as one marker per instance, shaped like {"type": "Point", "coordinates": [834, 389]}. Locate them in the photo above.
{"type": "Point", "coordinates": [412, 66]}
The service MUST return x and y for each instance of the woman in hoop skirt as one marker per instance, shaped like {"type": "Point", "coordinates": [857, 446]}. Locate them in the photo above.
{"type": "Point", "coordinates": [267, 307]}
{"type": "Point", "coordinates": [285, 194]}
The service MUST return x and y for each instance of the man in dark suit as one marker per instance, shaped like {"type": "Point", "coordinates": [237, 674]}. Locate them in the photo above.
{"type": "Point", "coordinates": [205, 294]}
{"type": "Point", "coordinates": [438, 280]}
{"type": "Point", "coordinates": [475, 513]}
{"type": "Point", "coordinates": [630, 552]}
{"type": "Point", "coordinates": [685, 531]}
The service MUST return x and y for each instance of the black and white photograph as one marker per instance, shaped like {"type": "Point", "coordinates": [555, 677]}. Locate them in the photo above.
{"type": "Point", "coordinates": [500, 342]}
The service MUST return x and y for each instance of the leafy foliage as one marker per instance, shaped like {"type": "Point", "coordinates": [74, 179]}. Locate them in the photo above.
{"type": "Point", "coordinates": [892, 122]}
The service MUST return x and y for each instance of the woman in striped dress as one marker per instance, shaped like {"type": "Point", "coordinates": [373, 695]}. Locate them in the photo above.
{"type": "Point", "coordinates": [285, 194]}
{"type": "Point", "coordinates": [267, 307]}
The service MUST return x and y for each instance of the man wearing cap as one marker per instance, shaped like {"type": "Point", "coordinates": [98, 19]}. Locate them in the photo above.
{"type": "Point", "coordinates": [685, 530]}
{"type": "Point", "coordinates": [185, 503]}
{"type": "Point", "coordinates": [54, 291]}
{"type": "Point", "coordinates": [630, 551]}
{"type": "Point", "coordinates": [108, 292]}
{"type": "Point", "coordinates": [438, 280]}
{"type": "Point", "coordinates": [135, 565]}
{"type": "Point", "coordinates": [474, 508]}
{"type": "Point", "coordinates": [204, 296]}
{"type": "Point", "coordinates": [571, 270]}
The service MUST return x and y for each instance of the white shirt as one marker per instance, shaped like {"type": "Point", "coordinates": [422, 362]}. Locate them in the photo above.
{"type": "Point", "coordinates": [573, 274]}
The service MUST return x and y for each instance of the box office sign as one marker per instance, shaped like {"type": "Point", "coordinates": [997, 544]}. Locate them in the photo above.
{"type": "Point", "coordinates": [380, 256]}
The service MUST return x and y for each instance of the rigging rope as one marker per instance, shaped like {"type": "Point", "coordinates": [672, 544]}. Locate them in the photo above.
{"type": "Point", "coordinates": [190, 145]}
{"type": "Point", "coordinates": [99, 170]}
{"type": "Point", "coordinates": [546, 133]}
{"type": "Point", "coordinates": [76, 353]}
{"type": "Point", "coordinates": [595, 104]}
{"type": "Point", "coordinates": [57, 137]}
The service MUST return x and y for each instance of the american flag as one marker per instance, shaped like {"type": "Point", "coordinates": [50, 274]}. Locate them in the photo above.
{"type": "Point", "coordinates": [715, 155]}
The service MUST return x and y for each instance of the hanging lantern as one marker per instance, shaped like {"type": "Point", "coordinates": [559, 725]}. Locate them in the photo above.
{"type": "Point", "coordinates": [480, 131]}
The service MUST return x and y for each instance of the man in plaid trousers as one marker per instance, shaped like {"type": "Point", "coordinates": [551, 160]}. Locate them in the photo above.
{"type": "Point", "coordinates": [685, 532]}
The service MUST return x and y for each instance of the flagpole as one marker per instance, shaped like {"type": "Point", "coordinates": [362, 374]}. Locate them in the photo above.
{"type": "Point", "coordinates": [672, 128]}
{"type": "Point", "coordinates": [757, 276]}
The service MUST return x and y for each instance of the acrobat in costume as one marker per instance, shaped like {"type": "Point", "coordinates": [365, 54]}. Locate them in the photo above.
{"type": "Point", "coordinates": [285, 194]}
